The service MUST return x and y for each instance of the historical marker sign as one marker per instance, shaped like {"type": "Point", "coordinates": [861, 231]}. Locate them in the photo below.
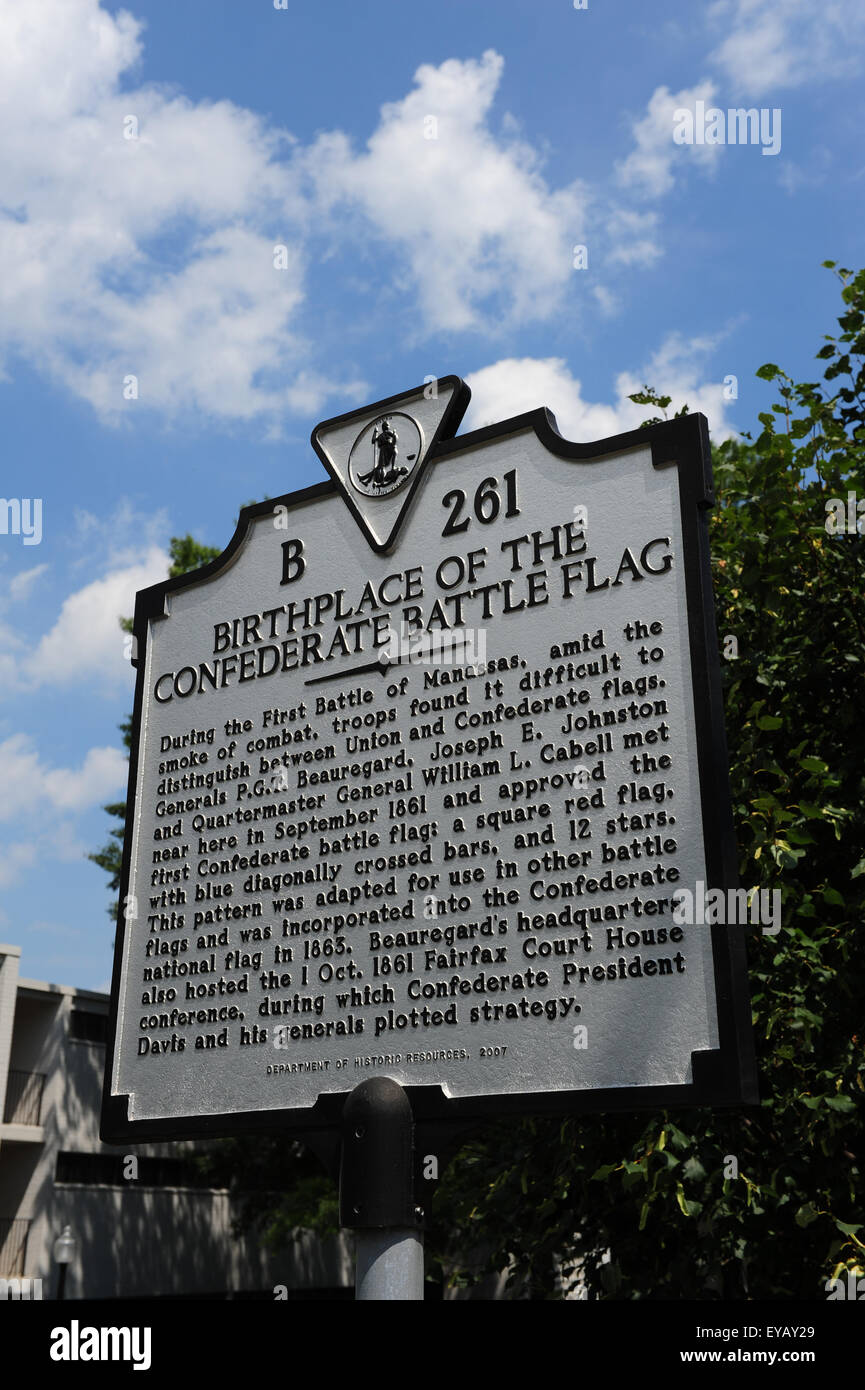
{"type": "Point", "coordinates": [420, 764]}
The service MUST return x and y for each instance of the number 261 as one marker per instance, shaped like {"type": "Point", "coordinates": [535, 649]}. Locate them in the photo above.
{"type": "Point", "coordinates": [487, 503]}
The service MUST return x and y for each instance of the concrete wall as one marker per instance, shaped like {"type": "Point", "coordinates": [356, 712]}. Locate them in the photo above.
{"type": "Point", "coordinates": [145, 1241]}
{"type": "Point", "coordinates": [9, 958]}
{"type": "Point", "coordinates": [133, 1240]}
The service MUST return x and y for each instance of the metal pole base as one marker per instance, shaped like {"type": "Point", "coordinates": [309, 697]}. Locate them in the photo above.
{"type": "Point", "coordinates": [389, 1266]}
{"type": "Point", "coordinates": [376, 1180]}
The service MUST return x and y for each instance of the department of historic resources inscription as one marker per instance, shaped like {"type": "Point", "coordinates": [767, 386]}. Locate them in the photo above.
{"type": "Point", "coordinates": [454, 871]}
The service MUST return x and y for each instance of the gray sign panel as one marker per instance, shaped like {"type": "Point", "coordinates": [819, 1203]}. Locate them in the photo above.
{"type": "Point", "coordinates": [432, 785]}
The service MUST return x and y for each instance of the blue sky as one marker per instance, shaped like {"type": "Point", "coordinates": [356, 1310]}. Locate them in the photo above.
{"type": "Point", "coordinates": [428, 171]}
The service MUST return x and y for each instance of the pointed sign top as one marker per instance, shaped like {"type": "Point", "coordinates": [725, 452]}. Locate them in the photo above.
{"type": "Point", "coordinates": [377, 455]}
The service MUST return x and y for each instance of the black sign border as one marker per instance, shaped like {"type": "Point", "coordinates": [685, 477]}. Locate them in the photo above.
{"type": "Point", "coordinates": [726, 1076]}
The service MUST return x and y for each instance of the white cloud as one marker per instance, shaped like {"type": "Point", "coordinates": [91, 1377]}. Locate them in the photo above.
{"type": "Point", "coordinates": [678, 368]}
{"type": "Point", "coordinates": [515, 385]}
{"type": "Point", "coordinates": [153, 258]}
{"type": "Point", "coordinates": [21, 584]}
{"type": "Point", "coordinates": [103, 772]}
{"type": "Point", "coordinates": [28, 782]}
{"type": "Point", "coordinates": [227, 311]}
{"type": "Point", "coordinates": [15, 860]}
{"type": "Point", "coordinates": [54, 929]}
{"type": "Point", "coordinates": [772, 44]}
{"type": "Point", "coordinates": [52, 802]}
{"type": "Point", "coordinates": [608, 303]}
{"type": "Point", "coordinates": [80, 47]}
{"type": "Point", "coordinates": [90, 292]}
{"type": "Point", "coordinates": [481, 234]}
{"type": "Point", "coordinates": [648, 169]}
{"type": "Point", "coordinates": [633, 238]}
{"type": "Point", "coordinates": [761, 47]}
{"type": "Point", "coordinates": [87, 642]}
{"type": "Point", "coordinates": [13, 650]}
{"type": "Point", "coordinates": [792, 176]}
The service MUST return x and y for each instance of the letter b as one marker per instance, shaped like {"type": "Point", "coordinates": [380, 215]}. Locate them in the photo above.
{"type": "Point", "coordinates": [293, 564]}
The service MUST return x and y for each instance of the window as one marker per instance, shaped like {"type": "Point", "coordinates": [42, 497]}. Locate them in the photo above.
{"type": "Point", "coordinates": [87, 1026]}
{"type": "Point", "coordinates": [106, 1170]}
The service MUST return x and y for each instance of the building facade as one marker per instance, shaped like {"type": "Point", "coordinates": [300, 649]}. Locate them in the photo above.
{"type": "Point", "coordinates": [144, 1225]}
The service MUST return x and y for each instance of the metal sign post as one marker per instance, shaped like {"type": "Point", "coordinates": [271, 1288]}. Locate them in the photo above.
{"type": "Point", "coordinates": [376, 1192]}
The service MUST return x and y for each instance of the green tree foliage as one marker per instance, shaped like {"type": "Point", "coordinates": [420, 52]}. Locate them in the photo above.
{"type": "Point", "coordinates": [768, 1202]}
{"type": "Point", "coordinates": [188, 554]}
{"type": "Point", "coordinates": [280, 1188]}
